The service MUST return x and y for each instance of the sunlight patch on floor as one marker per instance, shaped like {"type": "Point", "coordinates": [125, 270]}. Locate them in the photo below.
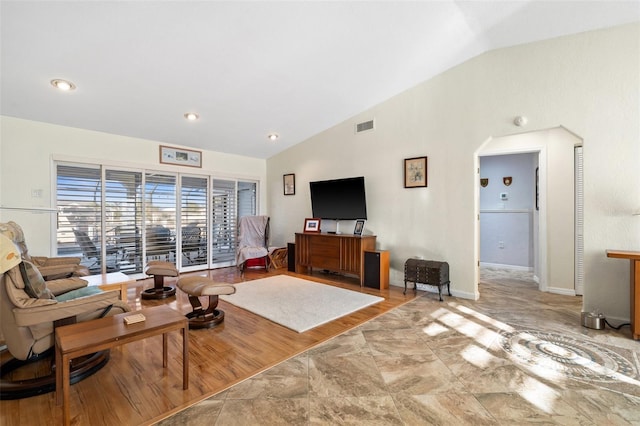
{"type": "Point", "coordinates": [478, 356]}
{"type": "Point", "coordinates": [482, 317]}
{"type": "Point", "coordinates": [469, 328]}
{"type": "Point", "coordinates": [539, 395]}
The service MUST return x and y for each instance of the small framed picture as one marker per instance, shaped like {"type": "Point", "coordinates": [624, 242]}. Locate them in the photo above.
{"type": "Point", "coordinates": [180, 156]}
{"type": "Point", "coordinates": [289, 184]}
{"type": "Point", "coordinates": [312, 225]}
{"type": "Point", "coordinates": [359, 227]}
{"type": "Point", "coordinates": [415, 172]}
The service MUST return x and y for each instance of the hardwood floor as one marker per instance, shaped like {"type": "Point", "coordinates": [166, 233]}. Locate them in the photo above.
{"type": "Point", "coordinates": [133, 388]}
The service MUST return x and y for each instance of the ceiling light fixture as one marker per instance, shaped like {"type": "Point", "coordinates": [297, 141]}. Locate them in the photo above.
{"type": "Point", "coordinates": [64, 85]}
{"type": "Point", "coordinates": [273, 136]}
{"type": "Point", "coordinates": [191, 116]}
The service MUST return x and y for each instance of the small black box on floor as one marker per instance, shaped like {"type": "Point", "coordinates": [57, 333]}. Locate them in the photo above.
{"type": "Point", "coordinates": [430, 272]}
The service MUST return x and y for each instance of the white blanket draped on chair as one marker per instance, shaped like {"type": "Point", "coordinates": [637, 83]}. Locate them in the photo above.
{"type": "Point", "coordinates": [253, 238]}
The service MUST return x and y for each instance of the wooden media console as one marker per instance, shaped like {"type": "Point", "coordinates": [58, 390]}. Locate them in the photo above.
{"type": "Point", "coordinates": [342, 253]}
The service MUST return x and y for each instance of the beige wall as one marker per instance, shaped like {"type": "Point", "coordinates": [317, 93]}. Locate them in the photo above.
{"type": "Point", "coordinates": [587, 83]}
{"type": "Point", "coordinates": [28, 150]}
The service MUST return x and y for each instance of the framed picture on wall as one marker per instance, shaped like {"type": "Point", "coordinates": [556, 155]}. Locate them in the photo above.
{"type": "Point", "coordinates": [312, 225]}
{"type": "Point", "coordinates": [180, 156]}
{"type": "Point", "coordinates": [415, 172]}
{"type": "Point", "coordinates": [289, 184]}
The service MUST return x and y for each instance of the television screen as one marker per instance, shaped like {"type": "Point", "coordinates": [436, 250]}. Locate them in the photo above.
{"type": "Point", "coordinates": [339, 199]}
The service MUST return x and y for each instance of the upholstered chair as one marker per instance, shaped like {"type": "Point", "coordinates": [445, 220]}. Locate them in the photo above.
{"type": "Point", "coordinates": [31, 308]}
{"type": "Point", "coordinates": [253, 241]}
{"type": "Point", "coordinates": [50, 268]}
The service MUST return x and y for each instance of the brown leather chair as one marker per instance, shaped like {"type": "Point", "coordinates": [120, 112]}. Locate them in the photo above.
{"type": "Point", "coordinates": [50, 268]}
{"type": "Point", "coordinates": [31, 308]}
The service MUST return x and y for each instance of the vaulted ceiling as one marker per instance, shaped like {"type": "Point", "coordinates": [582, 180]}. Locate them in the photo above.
{"type": "Point", "coordinates": [249, 69]}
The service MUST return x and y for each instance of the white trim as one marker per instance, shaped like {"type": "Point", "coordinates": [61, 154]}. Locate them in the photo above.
{"type": "Point", "coordinates": [563, 291]}
{"type": "Point", "coordinates": [507, 211]}
{"type": "Point", "coordinates": [509, 267]}
{"type": "Point", "coordinates": [31, 209]}
{"type": "Point", "coordinates": [578, 250]}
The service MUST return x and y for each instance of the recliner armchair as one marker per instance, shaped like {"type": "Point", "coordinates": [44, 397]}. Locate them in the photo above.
{"type": "Point", "coordinates": [50, 268]}
{"type": "Point", "coordinates": [31, 308]}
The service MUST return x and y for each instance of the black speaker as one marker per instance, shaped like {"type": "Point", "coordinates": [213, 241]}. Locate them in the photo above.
{"type": "Point", "coordinates": [376, 269]}
{"type": "Point", "coordinates": [291, 257]}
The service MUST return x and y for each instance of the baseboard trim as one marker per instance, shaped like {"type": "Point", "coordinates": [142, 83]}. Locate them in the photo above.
{"type": "Point", "coordinates": [563, 291]}
{"type": "Point", "coordinates": [511, 267]}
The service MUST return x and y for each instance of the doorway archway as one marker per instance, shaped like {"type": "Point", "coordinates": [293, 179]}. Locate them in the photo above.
{"type": "Point", "coordinates": [555, 253]}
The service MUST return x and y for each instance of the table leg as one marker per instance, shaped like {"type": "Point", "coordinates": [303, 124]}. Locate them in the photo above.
{"type": "Point", "coordinates": [185, 357]}
{"type": "Point", "coordinates": [65, 389]}
{"type": "Point", "coordinates": [164, 350]}
{"type": "Point", "coordinates": [58, 375]}
{"type": "Point", "coordinates": [635, 299]}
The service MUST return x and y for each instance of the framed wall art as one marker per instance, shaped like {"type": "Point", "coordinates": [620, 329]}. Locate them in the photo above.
{"type": "Point", "coordinates": [415, 172]}
{"type": "Point", "coordinates": [180, 156]}
{"type": "Point", "coordinates": [312, 225]}
{"type": "Point", "coordinates": [289, 184]}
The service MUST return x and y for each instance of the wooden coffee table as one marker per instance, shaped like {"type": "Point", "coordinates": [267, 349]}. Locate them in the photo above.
{"type": "Point", "coordinates": [87, 337]}
{"type": "Point", "coordinates": [111, 281]}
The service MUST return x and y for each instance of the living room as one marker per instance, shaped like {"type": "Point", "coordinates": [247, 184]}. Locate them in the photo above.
{"type": "Point", "coordinates": [587, 83]}
{"type": "Point", "coordinates": [442, 213]}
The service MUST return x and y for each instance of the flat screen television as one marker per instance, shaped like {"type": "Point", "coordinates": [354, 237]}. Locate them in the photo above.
{"type": "Point", "coordinates": [339, 199]}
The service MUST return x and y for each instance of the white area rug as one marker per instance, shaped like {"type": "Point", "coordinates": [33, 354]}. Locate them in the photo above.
{"type": "Point", "coordinates": [296, 303]}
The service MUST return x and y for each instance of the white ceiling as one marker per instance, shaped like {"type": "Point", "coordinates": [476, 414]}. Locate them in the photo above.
{"type": "Point", "coordinates": [252, 68]}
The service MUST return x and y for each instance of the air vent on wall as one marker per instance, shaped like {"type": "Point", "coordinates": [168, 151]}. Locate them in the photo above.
{"type": "Point", "coordinates": [365, 126]}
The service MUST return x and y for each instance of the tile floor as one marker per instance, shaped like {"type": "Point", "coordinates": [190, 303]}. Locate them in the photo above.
{"type": "Point", "coordinates": [515, 356]}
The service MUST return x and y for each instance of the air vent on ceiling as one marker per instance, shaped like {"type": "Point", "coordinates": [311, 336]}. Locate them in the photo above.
{"type": "Point", "coordinates": [365, 126]}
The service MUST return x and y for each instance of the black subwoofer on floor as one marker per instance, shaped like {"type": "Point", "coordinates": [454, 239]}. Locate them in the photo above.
{"type": "Point", "coordinates": [376, 269]}
{"type": "Point", "coordinates": [291, 257]}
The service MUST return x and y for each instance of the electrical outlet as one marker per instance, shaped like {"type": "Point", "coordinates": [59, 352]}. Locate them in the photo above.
{"type": "Point", "coordinates": [501, 244]}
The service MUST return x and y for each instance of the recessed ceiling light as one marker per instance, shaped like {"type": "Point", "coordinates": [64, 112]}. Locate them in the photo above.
{"type": "Point", "coordinates": [273, 136]}
{"type": "Point", "coordinates": [191, 116]}
{"type": "Point", "coordinates": [64, 85]}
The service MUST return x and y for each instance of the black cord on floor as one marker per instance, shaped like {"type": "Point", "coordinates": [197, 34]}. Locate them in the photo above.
{"type": "Point", "coordinates": [618, 327]}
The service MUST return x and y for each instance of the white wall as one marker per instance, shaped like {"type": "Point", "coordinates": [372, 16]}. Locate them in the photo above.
{"type": "Point", "coordinates": [588, 83]}
{"type": "Point", "coordinates": [28, 149]}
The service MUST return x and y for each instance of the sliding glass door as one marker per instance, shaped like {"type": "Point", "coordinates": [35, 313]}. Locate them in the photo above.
{"type": "Point", "coordinates": [224, 221]}
{"type": "Point", "coordinates": [123, 218]}
{"type": "Point", "coordinates": [160, 217]}
{"type": "Point", "coordinates": [193, 222]}
{"type": "Point", "coordinates": [79, 202]}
